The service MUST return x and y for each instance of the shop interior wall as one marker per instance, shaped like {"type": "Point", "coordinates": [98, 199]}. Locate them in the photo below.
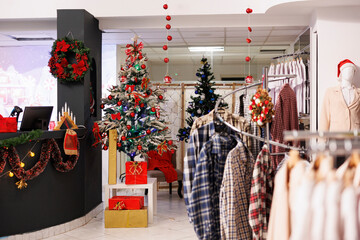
{"type": "Point", "coordinates": [338, 39]}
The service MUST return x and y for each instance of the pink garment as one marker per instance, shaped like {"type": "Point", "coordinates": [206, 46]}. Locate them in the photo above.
{"type": "Point", "coordinates": [286, 118]}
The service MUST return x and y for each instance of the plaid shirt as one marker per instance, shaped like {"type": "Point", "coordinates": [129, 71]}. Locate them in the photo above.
{"type": "Point", "coordinates": [197, 140]}
{"type": "Point", "coordinates": [235, 195]}
{"type": "Point", "coordinates": [262, 185]}
{"type": "Point", "coordinates": [204, 200]}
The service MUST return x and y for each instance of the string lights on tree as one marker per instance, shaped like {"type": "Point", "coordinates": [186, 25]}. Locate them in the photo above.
{"type": "Point", "coordinates": [249, 78]}
{"type": "Point", "coordinates": [167, 78]}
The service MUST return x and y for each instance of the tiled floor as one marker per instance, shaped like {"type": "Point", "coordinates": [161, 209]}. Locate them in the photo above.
{"type": "Point", "coordinates": [170, 223]}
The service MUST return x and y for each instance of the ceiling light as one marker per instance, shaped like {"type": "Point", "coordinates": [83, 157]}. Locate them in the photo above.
{"type": "Point", "coordinates": [206, 49]}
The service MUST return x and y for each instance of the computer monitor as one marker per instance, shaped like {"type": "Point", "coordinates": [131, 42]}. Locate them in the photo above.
{"type": "Point", "coordinates": [36, 118]}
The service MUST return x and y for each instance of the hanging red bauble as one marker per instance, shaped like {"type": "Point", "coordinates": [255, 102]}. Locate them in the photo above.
{"type": "Point", "coordinates": [132, 114]}
{"type": "Point", "coordinates": [143, 66]}
{"type": "Point", "coordinates": [249, 79]}
{"type": "Point", "coordinates": [168, 26]}
{"type": "Point", "coordinates": [128, 127]}
{"type": "Point", "coordinates": [170, 142]}
{"type": "Point", "coordinates": [153, 109]}
{"type": "Point", "coordinates": [148, 132]}
{"type": "Point", "coordinates": [169, 38]}
{"type": "Point", "coordinates": [168, 18]}
{"type": "Point", "coordinates": [166, 60]}
{"type": "Point", "coordinates": [248, 40]}
{"type": "Point", "coordinates": [110, 97]}
{"type": "Point", "coordinates": [266, 102]}
{"type": "Point", "coordinates": [249, 10]}
{"type": "Point", "coordinates": [142, 105]}
{"type": "Point", "coordinates": [165, 6]}
{"type": "Point", "coordinates": [123, 79]}
{"type": "Point", "coordinates": [140, 57]}
{"type": "Point", "coordinates": [135, 80]}
{"type": "Point", "coordinates": [122, 69]}
{"type": "Point", "coordinates": [172, 151]}
{"type": "Point", "coordinates": [250, 29]}
{"type": "Point", "coordinates": [123, 138]}
{"type": "Point", "coordinates": [139, 147]}
{"type": "Point", "coordinates": [118, 144]}
{"type": "Point", "coordinates": [248, 59]}
{"type": "Point", "coordinates": [105, 147]}
{"type": "Point", "coordinates": [161, 97]}
{"type": "Point", "coordinates": [165, 47]}
{"type": "Point", "coordinates": [102, 106]}
{"type": "Point", "coordinates": [167, 79]}
{"type": "Point", "coordinates": [119, 103]}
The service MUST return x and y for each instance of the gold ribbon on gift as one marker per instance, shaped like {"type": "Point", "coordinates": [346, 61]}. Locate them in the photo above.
{"type": "Point", "coordinates": [135, 168]}
{"type": "Point", "coordinates": [120, 206]}
{"type": "Point", "coordinates": [162, 148]}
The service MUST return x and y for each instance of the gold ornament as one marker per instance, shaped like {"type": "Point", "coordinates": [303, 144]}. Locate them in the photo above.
{"type": "Point", "coordinates": [11, 174]}
{"type": "Point", "coordinates": [22, 164]}
{"type": "Point", "coordinates": [21, 184]}
{"type": "Point", "coordinates": [32, 154]}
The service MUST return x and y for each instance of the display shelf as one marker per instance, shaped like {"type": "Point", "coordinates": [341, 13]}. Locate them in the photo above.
{"type": "Point", "coordinates": [46, 134]}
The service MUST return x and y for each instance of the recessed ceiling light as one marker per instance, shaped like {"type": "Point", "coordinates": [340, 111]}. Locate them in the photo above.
{"type": "Point", "coordinates": [206, 49]}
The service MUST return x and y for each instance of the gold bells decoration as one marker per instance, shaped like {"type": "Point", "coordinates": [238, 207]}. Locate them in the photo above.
{"type": "Point", "coordinates": [261, 107]}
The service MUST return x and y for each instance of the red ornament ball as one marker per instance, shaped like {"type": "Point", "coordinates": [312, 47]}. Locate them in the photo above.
{"type": "Point", "coordinates": [135, 79]}
{"type": "Point", "coordinates": [165, 47]}
{"type": "Point", "coordinates": [153, 109]}
{"type": "Point", "coordinates": [167, 79]}
{"type": "Point", "coordinates": [172, 151]}
{"type": "Point", "coordinates": [166, 60]}
{"type": "Point", "coordinates": [110, 97]}
{"type": "Point", "coordinates": [102, 106]}
{"type": "Point", "coordinates": [128, 127]}
{"type": "Point", "coordinates": [118, 144]}
{"type": "Point", "coordinates": [168, 26]}
{"type": "Point", "coordinates": [132, 114]}
{"type": "Point", "coordinates": [250, 29]}
{"type": "Point", "coordinates": [123, 138]}
{"type": "Point", "coordinates": [139, 147]}
{"type": "Point", "coordinates": [161, 97]}
{"type": "Point", "coordinates": [140, 57]}
{"type": "Point", "coordinates": [165, 6]}
{"type": "Point", "coordinates": [142, 105]}
{"type": "Point", "coordinates": [143, 66]}
{"type": "Point", "coordinates": [248, 40]}
{"type": "Point", "coordinates": [248, 59]}
{"type": "Point", "coordinates": [168, 18]}
{"type": "Point", "coordinates": [170, 142]}
{"type": "Point", "coordinates": [266, 102]}
{"type": "Point", "coordinates": [105, 147]}
{"type": "Point", "coordinates": [249, 10]}
{"type": "Point", "coordinates": [148, 132]}
{"type": "Point", "coordinates": [119, 103]}
{"type": "Point", "coordinates": [169, 38]}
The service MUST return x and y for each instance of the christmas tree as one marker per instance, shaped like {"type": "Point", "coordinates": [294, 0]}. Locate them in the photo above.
{"type": "Point", "coordinates": [133, 108]}
{"type": "Point", "coordinates": [204, 101]}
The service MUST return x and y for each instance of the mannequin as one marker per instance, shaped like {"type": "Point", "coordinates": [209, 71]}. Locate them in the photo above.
{"type": "Point", "coordinates": [341, 106]}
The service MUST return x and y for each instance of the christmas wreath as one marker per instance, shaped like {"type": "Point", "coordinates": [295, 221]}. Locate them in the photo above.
{"type": "Point", "coordinates": [261, 107]}
{"type": "Point", "coordinates": [69, 60]}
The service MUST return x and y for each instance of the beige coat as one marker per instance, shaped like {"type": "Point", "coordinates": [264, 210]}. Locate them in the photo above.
{"type": "Point", "coordinates": [336, 115]}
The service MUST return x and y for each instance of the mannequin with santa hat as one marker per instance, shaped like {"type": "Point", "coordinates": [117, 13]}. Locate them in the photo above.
{"type": "Point", "coordinates": [341, 106]}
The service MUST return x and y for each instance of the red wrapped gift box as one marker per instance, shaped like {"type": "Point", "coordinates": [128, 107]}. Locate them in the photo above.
{"type": "Point", "coordinates": [8, 124]}
{"type": "Point", "coordinates": [135, 172]}
{"type": "Point", "coordinates": [126, 202]}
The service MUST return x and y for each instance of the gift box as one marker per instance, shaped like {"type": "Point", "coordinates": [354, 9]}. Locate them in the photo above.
{"type": "Point", "coordinates": [126, 202]}
{"type": "Point", "coordinates": [8, 124]}
{"type": "Point", "coordinates": [135, 172]}
{"type": "Point", "coordinates": [126, 218]}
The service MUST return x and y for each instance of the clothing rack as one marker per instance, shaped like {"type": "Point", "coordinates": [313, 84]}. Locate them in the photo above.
{"type": "Point", "coordinates": [306, 135]}
{"type": "Point", "coordinates": [266, 81]}
{"type": "Point", "coordinates": [291, 54]}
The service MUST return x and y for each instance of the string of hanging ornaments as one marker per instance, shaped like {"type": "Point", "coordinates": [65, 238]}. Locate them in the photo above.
{"type": "Point", "coordinates": [167, 78]}
{"type": "Point", "coordinates": [249, 78]}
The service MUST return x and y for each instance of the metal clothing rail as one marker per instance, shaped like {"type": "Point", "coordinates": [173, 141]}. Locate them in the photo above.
{"type": "Point", "coordinates": [282, 77]}
{"type": "Point", "coordinates": [291, 55]}
{"type": "Point", "coordinates": [306, 135]}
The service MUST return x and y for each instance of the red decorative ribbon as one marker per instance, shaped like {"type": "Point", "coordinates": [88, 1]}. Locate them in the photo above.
{"type": "Point", "coordinates": [132, 87]}
{"type": "Point", "coordinates": [120, 206]}
{"type": "Point", "coordinates": [96, 132]}
{"type": "Point", "coordinates": [116, 116]}
{"type": "Point", "coordinates": [144, 83]}
{"type": "Point", "coordinates": [135, 168]}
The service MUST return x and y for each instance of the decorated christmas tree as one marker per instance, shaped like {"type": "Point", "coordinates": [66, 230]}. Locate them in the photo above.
{"type": "Point", "coordinates": [133, 109]}
{"type": "Point", "coordinates": [204, 100]}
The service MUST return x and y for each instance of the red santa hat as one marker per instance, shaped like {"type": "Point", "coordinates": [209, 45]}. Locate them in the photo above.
{"type": "Point", "coordinates": [345, 64]}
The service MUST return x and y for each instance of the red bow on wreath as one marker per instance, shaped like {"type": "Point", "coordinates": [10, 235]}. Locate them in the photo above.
{"type": "Point", "coordinates": [135, 168]}
{"type": "Point", "coordinates": [132, 87]}
{"type": "Point", "coordinates": [116, 116]}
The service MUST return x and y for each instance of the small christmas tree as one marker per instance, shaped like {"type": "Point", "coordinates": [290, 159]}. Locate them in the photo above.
{"type": "Point", "coordinates": [134, 109]}
{"type": "Point", "coordinates": [203, 102]}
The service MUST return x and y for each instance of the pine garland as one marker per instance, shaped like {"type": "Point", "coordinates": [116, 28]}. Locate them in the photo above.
{"type": "Point", "coordinates": [23, 138]}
